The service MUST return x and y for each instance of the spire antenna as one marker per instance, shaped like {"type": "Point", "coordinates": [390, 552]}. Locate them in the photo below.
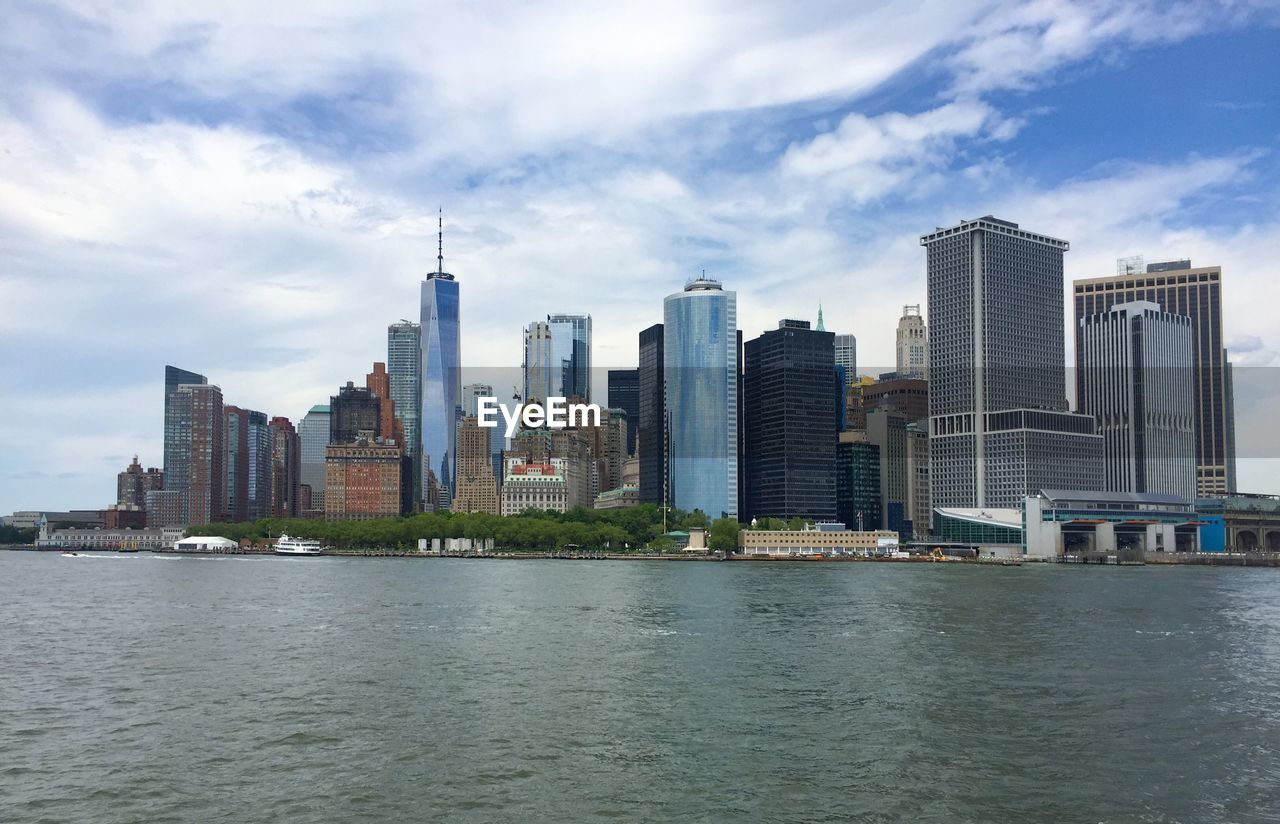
{"type": "Point", "coordinates": [440, 242]}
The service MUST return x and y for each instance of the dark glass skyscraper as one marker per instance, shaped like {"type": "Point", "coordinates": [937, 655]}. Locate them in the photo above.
{"type": "Point", "coordinates": [235, 464]}
{"type": "Point", "coordinates": [789, 414]}
{"type": "Point", "coordinates": [624, 394]}
{"type": "Point", "coordinates": [651, 422]}
{"type": "Point", "coordinates": [441, 384]}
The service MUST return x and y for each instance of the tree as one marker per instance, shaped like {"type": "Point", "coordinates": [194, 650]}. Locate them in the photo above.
{"type": "Point", "coordinates": [723, 534]}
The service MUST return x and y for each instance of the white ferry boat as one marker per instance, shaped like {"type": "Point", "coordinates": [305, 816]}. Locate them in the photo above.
{"type": "Point", "coordinates": [297, 546]}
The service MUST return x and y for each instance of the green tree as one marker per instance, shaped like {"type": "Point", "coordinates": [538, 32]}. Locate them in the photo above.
{"type": "Point", "coordinates": [723, 535]}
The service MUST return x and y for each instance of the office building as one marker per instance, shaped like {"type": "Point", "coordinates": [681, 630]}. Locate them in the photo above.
{"type": "Point", "coordinates": [651, 424]}
{"type": "Point", "coordinates": [887, 429]}
{"type": "Point", "coordinates": [1137, 379]}
{"type": "Point", "coordinates": [286, 468]}
{"type": "Point", "coordinates": [700, 368]}
{"type": "Point", "coordinates": [906, 395]}
{"type": "Point", "coordinates": [1179, 289]}
{"type": "Point", "coordinates": [195, 419]}
{"type": "Point", "coordinates": [378, 382]}
{"type": "Point", "coordinates": [313, 437]}
{"type": "Point", "coordinates": [999, 425]}
{"type": "Point", "coordinates": [624, 394]}
{"type": "Point", "coordinates": [362, 480]}
{"type": "Point", "coordinates": [477, 487]}
{"type": "Point", "coordinates": [441, 385]}
{"type": "Point", "coordinates": [857, 482]}
{"type": "Point", "coordinates": [534, 485]}
{"type": "Point", "coordinates": [571, 352]}
{"type": "Point", "coordinates": [541, 373]}
{"type": "Point", "coordinates": [404, 371]}
{"type": "Point", "coordinates": [912, 344]}
{"type": "Point", "coordinates": [355, 412]}
{"type": "Point", "coordinates": [789, 417]}
{"type": "Point", "coordinates": [919, 506]}
{"type": "Point", "coordinates": [846, 357]}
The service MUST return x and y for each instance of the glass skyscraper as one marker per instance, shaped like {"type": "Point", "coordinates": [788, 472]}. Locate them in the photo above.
{"type": "Point", "coordinates": [404, 370]}
{"type": "Point", "coordinates": [700, 367]}
{"type": "Point", "coordinates": [571, 353]}
{"type": "Point", "coordinates": [441, 388]}
{"type": "Point", "coordinates": [173, 433]}
{"type": "Point", "coordinates": [313, 437]}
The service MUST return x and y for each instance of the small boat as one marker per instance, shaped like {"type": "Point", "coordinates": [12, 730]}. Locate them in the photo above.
{"type": "Point", "coordinates": [297, 546]}
{"type": "Point", "coordinates": [69, 554]}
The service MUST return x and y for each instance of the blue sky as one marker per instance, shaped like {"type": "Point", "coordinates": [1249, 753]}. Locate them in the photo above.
{"type": "Point", "coordinates": [249, 190]}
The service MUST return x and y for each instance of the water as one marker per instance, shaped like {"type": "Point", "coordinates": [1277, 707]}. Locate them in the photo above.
{"type": "Point", "coordinates": [143, 688]}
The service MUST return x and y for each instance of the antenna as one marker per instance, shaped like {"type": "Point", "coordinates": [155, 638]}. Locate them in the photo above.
{"type": "Point", "coordinates": [440, 243]}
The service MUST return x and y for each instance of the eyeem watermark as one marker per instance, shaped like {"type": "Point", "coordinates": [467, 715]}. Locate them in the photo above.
{"type": "Point", "coordinates": [558, 413]}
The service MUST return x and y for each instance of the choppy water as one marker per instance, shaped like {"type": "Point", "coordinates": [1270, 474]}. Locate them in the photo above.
{"type": "Point", "coordinates": [139, 688]}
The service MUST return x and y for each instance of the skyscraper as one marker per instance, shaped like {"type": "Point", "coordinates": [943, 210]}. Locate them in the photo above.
{"type": "Point", "coordinates": [404, 369]}
{"type": "Point", "coordinates": [1196, 293]}
{"type": "Point", "coordinates": [789, 416]}
{"type": "Point", "coordinates": [286, 468]}
{"type": "Point", "coordinates": [261, 466]}
{"type": "Point", "coordinates": [173, 378]}
{"type": "Point", "coordinates": [477, 486]}
{"type": "Point", "coordinates": [651, 426]}
{"type": "Point", "coordinates": [887, 429]}
{"type": "Point", "coordinates": [235, 463]}
{"type": "Point", "coordinates": [999, 425]}
{"type": "Point", "coordinates": [441, 361]}
{"type": "Point", "coordinates": [313, 437]}
{"type": "Point", "coordinates": [846, 356]}
{"type": "Point", "coordinates": [355, 412]}
{"type": "Point", "coordinates": [196, 412]}
{"type": "Point", "coordinates": [857, 481]}
{"type": "Point", "coordinates": [700, 366]}
{"type": "Point", "coordinates": [912, 344]}
{"type": "Point", "coordinates": [1137, 380]}
{"type": "Point", "coordinates": [624, 394]}
{"type": "Point", "coordinates": [571, 354]}
{"type": "Point", "coordinates": [378, 382]}
{"type": "Point", "coordinates": [133, 484]}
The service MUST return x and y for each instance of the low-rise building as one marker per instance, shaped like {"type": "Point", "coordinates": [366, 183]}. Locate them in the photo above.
{"type": "Point", "coordinates": [1240, 523]}
{"type": "Point", "coordinates": [820, 539]}
{"type": "Point", "coordinates": [1125, 525]}
{"type": "Point", "coordinates": [157, 538]}
{"type": "Point", "coordinates": [534, 486]}
{"type": "Point", "coordinates": [621, 498]}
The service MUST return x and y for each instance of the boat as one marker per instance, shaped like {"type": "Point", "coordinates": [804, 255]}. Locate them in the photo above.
{"type": "Point", "coordinates": [297, 546]}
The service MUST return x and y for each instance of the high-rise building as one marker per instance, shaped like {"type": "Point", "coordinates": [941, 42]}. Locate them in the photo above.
{"type": "Point", "coordinates": [1137, 381]}
{"type": "Point", "coordinates": [789, 417]}
{"type": "Point", "coordinates": [441, 384]}
{"type": "Point", "coordinates": [286, 468]}
{"type": "Point", "coordinates": [571, 354]}
{"type": "Point", "coordinates": [261, 466]}
{"type": "Point", "coordinates": [910, 396]}
{"type": "Point", "coordinates": [887, 429]}
{"type": "Point", "coordinates": [235, 464]}
{"type": "Point", "coordinates": [999, 425]}
{"type": "Point", "coordinates": [846, 357]}
{"type": "Point", "coordinates": [1179, 289]}
{"type": "Point", "coordinates": [651, 423]}
{"type": "Point", "coordinates": [404, 369]}
{"type": "Point", "coordinates": [471, 395]}
{"type": "Point", "coordinates": [195, 411]}
{"type": "Point", "coordinates": [477, 487]}
{"type": "Point", "coordinates": [362, 480]}
{"type": "Point", "coordinates": [624, 394]}
{"type": "Point", "coordinates": [919, 508]}
{"type": "Point", "coordinates": [133, 484]}
{"type": "Point", "coordinates": [912, 344]}
{"type": "Point", "coordinates": [355, 413]}
{"type": "Point", "coordinates": [378, 382]}
{"type": "Point", "coordinates": [541, 375]}
{"type": "Point", "coordinates": [700, 367]}
{"type": "Point", "coordinates": [313, 437]}
{"type": "Point", "coordinates": [173, 378]}
{"type": "Point", "coordinates": [857, 481]}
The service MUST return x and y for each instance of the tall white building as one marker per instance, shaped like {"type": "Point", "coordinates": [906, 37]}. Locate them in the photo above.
{"type": "Point", "coordinates": [912, 344]}
{"type": "Point", "coordinates": [847, 356]}
{"type": "Point", "coordinates": [1137, 380]}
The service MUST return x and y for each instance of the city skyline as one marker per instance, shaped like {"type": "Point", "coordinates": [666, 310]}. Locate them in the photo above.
{"type": "Point", "coordinates": [230, 216]}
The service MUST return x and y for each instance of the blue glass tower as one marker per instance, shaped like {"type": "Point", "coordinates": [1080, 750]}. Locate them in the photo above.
{"type": "Point", "coordinates": [700, 366]}
{"type": "Point", "coordinates": [441, 381]}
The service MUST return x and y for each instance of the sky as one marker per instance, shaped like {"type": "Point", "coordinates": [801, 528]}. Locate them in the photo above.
{"type": "Point", "coordinates": [250, 190]}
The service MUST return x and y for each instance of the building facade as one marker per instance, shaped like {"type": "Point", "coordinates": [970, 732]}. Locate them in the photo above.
{"type": "Point", "coordinates": [908, 396]}
{"type": "Point", "coordinates": [133, 484]}
{"type": "Point", "coordinates": [700, 368]}
{"type": "Point", "coordinates": [857, 481]}
{"type": "Point", "coordinates": [441, 382]}
{"type": "Point", "coordinates": [999, 425]}
{"type": "Point", "coordinates": [651, 427]}
{"type": "Point", "coordinates": [362, 481]}
{"type": "Point", "coordinates": [912, 344]}
{"type": "Point", "coordinates": [261, 465]}
{"type": "Point", "coordinates": [1137, 380]}
{"type": "Point", "coordinates": [919, 505]}
{"type": "Point", "coordinates": [846, 356]}
{"type": "Point", "coordinates": [1179, 289]}
{"type": "Point", "coordinates": [540, 486]}
{"type": "Point", "coordinates": [541, 373]}
{"type": "Point", "coordinates": [235, 464]}
{"type": "Point", "coordinates": [404, 372]}
{"type": "Point", "coordinates": [354, 412]}
{"type": "Point", "coordinates": [887, 429]}
{"type": "Point", "coordinates": [195, 417]}
{"type": "Point", "coordinates": [286, 469]}
{"type": "Point", "coordinates": [624, 394]}
{"type": "Point", "coordinates": [173, 378]}
{"type": "Point", "coordinates": [313, 438]}
{"type": "Point", "coordinates": [477, 487]}
{"type": "Point", "coordinates": [789, 416]}
{"type": "Point", "coordinates": [571, 354]}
